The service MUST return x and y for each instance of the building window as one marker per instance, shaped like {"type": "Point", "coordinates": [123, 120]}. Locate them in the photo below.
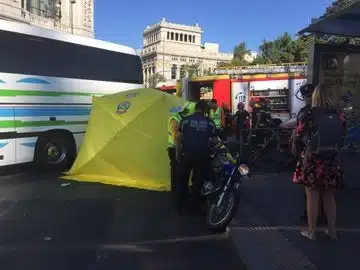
{"type": "Point", "coordinates": [172, 35]}
{"type": "Point", "coordinates": [173, 72]}
{"type": "Point", "coordinates": [182, 71]}
{"type": "Point", "coordinates": [153, 70]}
{"type": "Point", "coordinates": [185, 37]}
{"type": "Point", "coordinates": [193, 39]}
{"type": "Point", "coordinates": [43, 8]}
{"type": "Point", "coordinates": [189, 38]}
{"type": "Point", "coordinates": [183, 59]}
{"type": "Point", "coordinates": [181, 37]}
{"type": "Point", "coordinates": [177, 36]}
{"type": "Point", "coordinates": [174, 58]}
{"type": "Point", "coordinates": [168, 35]}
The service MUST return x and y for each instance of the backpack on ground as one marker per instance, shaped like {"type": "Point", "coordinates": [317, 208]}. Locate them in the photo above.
{"type": "Point", "coordinates": [327, 136]}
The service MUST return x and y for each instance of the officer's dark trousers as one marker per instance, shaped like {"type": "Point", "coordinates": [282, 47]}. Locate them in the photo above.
{"type": "Point", "coordinates": [198, 164]}
{"type": "Point", "coordinates": [242, 133]}
{"type": "Point", "coordinates": [174, 173]}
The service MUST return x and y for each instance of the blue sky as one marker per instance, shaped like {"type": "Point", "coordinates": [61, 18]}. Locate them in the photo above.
{"type": "Point", "coordinates": [225, 22]}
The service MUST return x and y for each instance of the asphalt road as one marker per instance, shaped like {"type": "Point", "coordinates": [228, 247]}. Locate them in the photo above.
{"type": "Point", "coordinates": [47, 223]}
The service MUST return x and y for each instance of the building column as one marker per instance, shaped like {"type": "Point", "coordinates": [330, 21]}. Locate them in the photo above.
{"type": "Point", "coordinates": [177, 71]}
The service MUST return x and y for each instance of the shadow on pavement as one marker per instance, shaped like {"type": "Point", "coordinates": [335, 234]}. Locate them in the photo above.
{"type": "Point", "coordinates": [48, 223]}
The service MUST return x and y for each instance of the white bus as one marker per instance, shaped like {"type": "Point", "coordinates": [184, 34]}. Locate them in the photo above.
{"type": "Point", "coordinates": [47, 80]}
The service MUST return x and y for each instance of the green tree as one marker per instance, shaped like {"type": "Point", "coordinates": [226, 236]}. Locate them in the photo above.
{"type": "Point", "coordinates": [284, 49]}
{"type": "Point", "coordinates": [240, 51]}
{"type": "Point", "coordinates": [156, 78]}
{"type": "Point", "coordinates": [223, 64]}
{"type": "Point", "coordinates": [335, 7]}
{"type": "Point", "coordinates": [192, 70]}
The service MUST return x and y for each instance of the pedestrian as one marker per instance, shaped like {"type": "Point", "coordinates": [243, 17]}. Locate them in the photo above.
{"type": "Point", "coordinates": [242, 118]}
{"type": "Point", "coordinates": [318, 168]}
{"type": "Point", "coordinates": [298, 146]}
{"type": "Point", "coordinates": [173, 148]}
{"type": "Point", "coordinates": [196, 131]}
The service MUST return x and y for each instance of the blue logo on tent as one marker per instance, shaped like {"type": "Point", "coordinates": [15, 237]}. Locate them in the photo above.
{"type": "Point", "coordinates": [33, 80]}
{"type": "Point", "coordinates": [1, 81]}
{"type": "Point", "coordinates": [123, 107]}
{"type": "Point", "coordinates": [176, 109]}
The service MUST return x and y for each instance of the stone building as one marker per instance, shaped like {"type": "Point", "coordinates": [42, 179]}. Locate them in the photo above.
{"type": "Point", "coordinates": [71, 16]}
{"type": "Point", "coordinates": [175, 50]}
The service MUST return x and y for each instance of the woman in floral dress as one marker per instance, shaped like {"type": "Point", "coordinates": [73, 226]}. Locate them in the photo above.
{"type": "Point", "coordinates": [316, 174]}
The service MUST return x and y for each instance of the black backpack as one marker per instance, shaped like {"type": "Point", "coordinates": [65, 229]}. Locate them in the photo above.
{"type": "Point", "coordinates": [327, 136]}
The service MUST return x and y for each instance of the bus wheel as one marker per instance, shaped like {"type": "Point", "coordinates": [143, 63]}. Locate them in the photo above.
{"type": "Point", "coordinates": [55, 151]}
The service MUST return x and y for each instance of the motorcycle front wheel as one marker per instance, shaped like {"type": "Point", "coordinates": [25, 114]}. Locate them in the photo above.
{"type": "Point", "coordinates": [219, 217]}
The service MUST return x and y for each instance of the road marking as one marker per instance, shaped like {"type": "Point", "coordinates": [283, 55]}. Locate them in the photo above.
{"type": "Point", "coordinates": [287, 228]}
{"type": "Point", "coordinates": [202, 238]}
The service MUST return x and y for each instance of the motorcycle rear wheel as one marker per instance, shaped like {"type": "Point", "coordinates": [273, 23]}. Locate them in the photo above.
{"type": "Point", "coordinates": [218, 218]}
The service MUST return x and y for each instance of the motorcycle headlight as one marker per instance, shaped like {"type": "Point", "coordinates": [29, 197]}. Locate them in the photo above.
{"type": "Point", "coordinates": [243, 169]}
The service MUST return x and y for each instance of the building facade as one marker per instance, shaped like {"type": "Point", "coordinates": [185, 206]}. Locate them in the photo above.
{"type": "Point", "coordinates": [175, 50]}
{"type": "Point", "coordinates": [71, 16]}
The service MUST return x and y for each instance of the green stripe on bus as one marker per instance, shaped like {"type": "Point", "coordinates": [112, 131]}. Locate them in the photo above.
{"type": "Point", "coordinates": [13, 93]}
{"type": "Point", "coordinates": [21, 124]}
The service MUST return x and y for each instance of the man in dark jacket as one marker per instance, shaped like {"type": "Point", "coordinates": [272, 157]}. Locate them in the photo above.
{"type": "Point", "coordinates": [196, 131]}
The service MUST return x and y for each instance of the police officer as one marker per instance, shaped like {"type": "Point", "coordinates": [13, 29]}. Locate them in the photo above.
{"type": "Point", "coordinates": [196, 131]}
{"type": "Point", "coordinates": [173, 143]}
{"type": "Point", "coordinates": [217, 115]}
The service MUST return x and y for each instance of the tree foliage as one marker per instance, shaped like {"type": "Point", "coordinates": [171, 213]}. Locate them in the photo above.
{"type": "Point", "coordinates": [335, 7]}
{"type": "Point", "coordinates": [189, 71]}
{"type": "Point", "coordinates": [240, 51]}
{"type": "Point", "coordinates": [156, 78]}
{"type": "Point", "coordinates": [287, 48]}
{"type": "Point", "coordinates": [284, 49]}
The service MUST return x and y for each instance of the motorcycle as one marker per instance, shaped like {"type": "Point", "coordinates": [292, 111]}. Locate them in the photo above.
{"type": "Point", "coordinates": [222, 191]}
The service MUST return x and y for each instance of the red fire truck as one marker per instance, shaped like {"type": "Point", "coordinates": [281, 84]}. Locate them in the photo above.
{"type": "Point", "coordinates": [277, 84]}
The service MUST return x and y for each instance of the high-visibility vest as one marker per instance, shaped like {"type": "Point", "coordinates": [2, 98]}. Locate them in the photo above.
{"type": "Point", "coordinates": [171, 139]}
{"type": "Point", "coordinates": [216, 117]}
{"type": "Point", "coordinates": [190, 105]}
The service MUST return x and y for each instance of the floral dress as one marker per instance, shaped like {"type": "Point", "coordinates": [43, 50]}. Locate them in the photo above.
{"type": "Point", "coordinates": [312, 171]}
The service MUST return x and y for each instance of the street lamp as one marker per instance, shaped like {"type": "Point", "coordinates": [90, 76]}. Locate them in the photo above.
{"type": "Point", "coordinates": [72, 2]}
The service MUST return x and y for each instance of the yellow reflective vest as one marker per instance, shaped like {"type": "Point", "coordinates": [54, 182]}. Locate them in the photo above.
{"type": "Point", "coordinates": [216, 117]}
{"type": "Point", "coordinates": [190, 105]}
{"type": "Point", "coordinates": [171, 139]}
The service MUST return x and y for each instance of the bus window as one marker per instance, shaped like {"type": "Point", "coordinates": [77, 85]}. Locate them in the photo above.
{"type": "Point", "coordinates": [47, 57]}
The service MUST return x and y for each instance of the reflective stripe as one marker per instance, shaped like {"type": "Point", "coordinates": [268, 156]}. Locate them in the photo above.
{"type": "Point", "coordinates": [171, 139]}
{"type": "Point", "coordinates": [216, 117]}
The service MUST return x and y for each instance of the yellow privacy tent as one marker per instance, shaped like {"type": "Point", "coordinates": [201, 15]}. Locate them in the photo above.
{"type": "Point", "coordinates": [126, 140]}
